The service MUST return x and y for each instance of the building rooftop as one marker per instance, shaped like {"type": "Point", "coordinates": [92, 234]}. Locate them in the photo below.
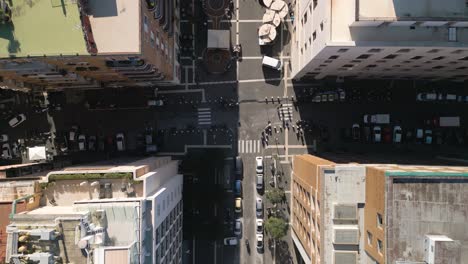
{"type": "Point", "coordinates": [42, 27]}
{"type": "Point", "coordinates": [108, 16]}
{"type": "Point", "coordinates": [412, 10]}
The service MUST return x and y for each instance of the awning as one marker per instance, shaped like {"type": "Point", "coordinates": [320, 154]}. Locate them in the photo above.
{"type": "Point", "coordinates": [272, 17]}
{"type": "Point", "coordinates": [267, 33]}
{"type": "Point", "coordinates": [277, 5]}
{"type": "Point", "coordinates": [37, 153]}
{"type": "Point", "coordinates": [284, 11]}
{"type": "Point", "coordinates": [218, 39]}
{"type": "Point", "coordinates": [267, 3]}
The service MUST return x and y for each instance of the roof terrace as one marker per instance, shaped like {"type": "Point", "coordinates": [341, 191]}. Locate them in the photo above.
{"type": "Point", "coordinates": [42, 27]}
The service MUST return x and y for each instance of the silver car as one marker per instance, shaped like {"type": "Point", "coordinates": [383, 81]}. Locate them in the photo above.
{"type": "Point", "coordinates": [238, 227]}
{"type": "Point", "coordinates": [259, 207]}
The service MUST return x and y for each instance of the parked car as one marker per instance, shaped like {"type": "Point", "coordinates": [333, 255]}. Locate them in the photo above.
{"type": "Point", "coordinates": [238, 205]}
{"type": "Point", "coordinates": [82, 142]}
{"type": "Point", "coordinates": [72, 133]}
{"type": "Point", "coordinates": [377, 131]}
{"type": "Point", "coordinates": [259, 226]}
{"type": "Point", "coordinates": [259, 181]}
{"type": "Point", "coordinates": [15, 121]}
{"type": "Point", "coordinates": [426, 97]}
{"type": "Point", "coordinates": [428, 136]}
{"type": "Point", "coordinates": [259, 241]}
{"type": "Point", "coordinates": [231, 241]}
{"type": "Point", "coordinates": [3, 138]}
{"type": "Point", "coordinates": [259, 165]}
{"type": "Point", "coordinates": [238, 227]}
{"type": "Point", "coordinates": [238, 187]}
{"type": "Point", "coordinates": [356, 131]}
{"type": "Point", "coordinates": [342, 95]}
{"type": "Point", "coordinates": [259, 207]}
{"type": "Point", "coordinates": [6, 151]}
{"type": "Point", "coordinates": [239, 165]}
{"type": "Point", "coordinates": [120, 141]}
{"type": "Point", "coordinates": [387, 134]}
{"type": "Point", "coordinates": [15, 150]}
{"type": "Point", "coordinates": [419, 135]}
{"type": "Point", "coordinates": [397, 134]}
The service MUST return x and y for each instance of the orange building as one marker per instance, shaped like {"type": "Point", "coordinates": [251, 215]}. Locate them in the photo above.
{"type": "Point", "coordinates": [384, 213]}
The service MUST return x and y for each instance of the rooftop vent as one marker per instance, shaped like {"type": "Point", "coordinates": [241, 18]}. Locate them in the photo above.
{"type": "Point", "coordinates": [345, 212]}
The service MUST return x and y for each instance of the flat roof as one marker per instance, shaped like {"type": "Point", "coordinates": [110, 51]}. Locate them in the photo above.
{"type": "Point", "coordinates": [115, 25]}
{"type": "Point", "coordinates": [42, 27]}
{"type": "Point", "coordinates": [411, 10]}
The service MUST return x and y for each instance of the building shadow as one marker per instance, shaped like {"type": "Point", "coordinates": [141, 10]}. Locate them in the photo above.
{"type": "Point", "coordinates": [102, 8]}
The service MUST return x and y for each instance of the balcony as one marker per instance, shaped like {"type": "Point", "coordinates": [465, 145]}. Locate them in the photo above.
{"type": "Point", "coordinates": [151, 5]}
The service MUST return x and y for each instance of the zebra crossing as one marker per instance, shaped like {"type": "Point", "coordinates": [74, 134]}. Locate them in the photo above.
{"type": "Point", "coordinates": [249, 146]}
{"type": "Point", "coordinates": [285, 112]}
{"type": "Point", "coordinates": [204, 116]}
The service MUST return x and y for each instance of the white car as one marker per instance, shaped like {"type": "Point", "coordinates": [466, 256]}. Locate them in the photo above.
{"type": "Point", "coordinates": [259, 226]}
{"type": "Point", "coordinates": [120, 141]}
{"type": "Point", "coordinates": [3, 138]}
{"type": "Point", "coordinates": [82, 142]}
{"type": "Point", "coordinates": [231, 241]}
{"type": "Point", "coordinates": [397, 134]}
{"type": "Point", "coordinates": [259, 241]}
{"type": "Point", "coordinates": [15, 121]}
{"type": "Point", "coordinates": [259, 181]}
{"type": "Point", "coordinates": [259, 165]}
{"type": "Point", "coordinates": [377, 134]}
{"type": "Point", "coordinates": [72, 134]}
{"type": "Point", "coordinates": [6, 151]}
{"type": "Point", "coordinates": [259, 207]}
{"type": "Point", "coordinates": [426, 97]}
{"type": "Point", "coordinates": [238, 227]}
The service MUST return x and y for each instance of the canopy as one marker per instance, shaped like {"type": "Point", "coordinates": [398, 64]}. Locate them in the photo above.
{"type": "Point", "coordinates": [267, 33]}
{"type": "Point", "coordinates": [283, 12]}
{"type": "Point", "coordinates": [272, 17]}
{"type": "Point", "coordinates": [218, 39]}
{"type": "Point", "coordinates": [267, 3]}
{"type": "Point", "coordinates": [277, 5]}
{"type": "Point", "coordinates": [37, 153]}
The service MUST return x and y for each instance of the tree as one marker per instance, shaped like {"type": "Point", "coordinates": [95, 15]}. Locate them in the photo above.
{"type": "Point", "coordinates": [276, 227]}
{"type": "Point", "coordinates": [275, 196]}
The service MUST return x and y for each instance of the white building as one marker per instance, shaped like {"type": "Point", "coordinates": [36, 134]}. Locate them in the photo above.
{"type": "Point", "coordinates": [424, 39]}
{"type": "Point", "coordinates": [120, 212]}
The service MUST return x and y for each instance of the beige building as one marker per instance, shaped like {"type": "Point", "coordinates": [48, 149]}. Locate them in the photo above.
{"type": "Point", "coordinates": [365, 213]}
{"type": "Point", "coordinates": [424, 39]}
{"type": "Point", "coordinates": [91, 44]}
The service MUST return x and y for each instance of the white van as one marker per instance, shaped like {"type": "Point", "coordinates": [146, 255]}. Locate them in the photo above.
{"type": "Point", "coordinates": [272, 63]}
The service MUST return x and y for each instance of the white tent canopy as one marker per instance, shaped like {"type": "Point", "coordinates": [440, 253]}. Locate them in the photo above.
{"type": "Point", "coordinates": [37, 153]}
{"type": "Point", "coordinates": [218, 39]}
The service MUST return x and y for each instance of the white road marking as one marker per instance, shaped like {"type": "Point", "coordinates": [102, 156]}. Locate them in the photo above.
{"type": "Point", "coordinates": [249, 146]}
{"type": "Point", "coordinates": [204, 136]}
{"type": "Point", "coordinates": [204, 117]}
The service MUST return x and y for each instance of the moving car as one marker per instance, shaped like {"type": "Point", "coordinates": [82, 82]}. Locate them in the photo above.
{"type": "Point", "coordinates": [238, 205]}
{"type": "Point", "coordinates": [397, 134]}
{"type": "Point", "coordinates": [259, 207]}
{"type": "Point", "coordinates": [259, 164]}
{"type": "Point", "coordinates": [238, 227]}
{"type": "Point", "coordinates": [231, 241]}
{"type": "Point", "coordinates": [259, 226]}
{"type": "Point", "coordinates": [377, 134]}
{"type": "Point", "coordinates": [259, 181]}
{"type": "Point", "coordinates": [120, 141]}
{"type": "Point", "coordinates": [272, 63]}
{"type": "Point", "coordinates": [15, 121]}
{"type": "Point", "coordinates": [259, 241]}
{"type": "Point", "coordinates": [6, 151]}
{"type": "Point", "coordinates": [82, 142]}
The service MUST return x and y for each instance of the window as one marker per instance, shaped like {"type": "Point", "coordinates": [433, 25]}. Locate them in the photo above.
{"type": "Point", "coordinates": [314, 35]}
{"type": "Point", "coordinates": [364, 56]}
{"type": "Point", "coordinates": [438, 67]}
{"type": "Point", "coordinates": [321, 26]}
{"type": "Point", "coordinates": [145, 24]}
{"type": "Point", "coordinates": [371, 66]}
{"type": "Point", "coordinates": [157, 39]}
{"type": "Point", "coordinates": [462, 68]}
{"type": "Point", "coordinates": [433, 51]}
{"type": "Point", "coordinates": [439, 58]}
{"type": "Point", "coordinates": [464, 58]}
{"type": "Point", "coordinates": [380, 246]}
{"type": "Point", "coordinates": [158, 210]}
{"type": "Point", "coordinates": [305, 17]}
{"type": "Point", "coordinates": [391, 56]}
{"type": "Point", "coordinates": [315, 3]}
{"type": "Point", "coordinates": [333, 57]}
{"type": "Point", "coordinates": [404, 50]}
{"type": "Point", "coordinates": [379, 220]}
{"type": "Point", "coordinates": [369, 238]}
{"type": "Point", "coordinates": [342, 50]}
{"type": "Point", "coordinates": [457, 51]}
{"type": "Point", "coordinates": [375, 50]}
{"type": "Point", "coordinates": [417, 57]}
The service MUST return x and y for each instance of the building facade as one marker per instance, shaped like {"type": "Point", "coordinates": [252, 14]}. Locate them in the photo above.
{"type": "Point", "coordinates": [119, 212]}
{"type": "Point", "coordinates": [371, 213]}
{"type": "Point", "coordinates": [89, 44]}
{"type": "Point", "coordinates": [387, 39]}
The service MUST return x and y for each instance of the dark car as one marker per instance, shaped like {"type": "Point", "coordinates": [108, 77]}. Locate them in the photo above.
{"type": "Point", "coordinates": [239, 166]}
{"type": "Point", "coordinates": [356, 130]}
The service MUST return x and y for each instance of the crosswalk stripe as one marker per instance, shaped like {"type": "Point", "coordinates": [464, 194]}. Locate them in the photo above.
{"type": "Point", "coordinates": [204, 116]}
{"type": "Point", "coordinates": [249, 146]}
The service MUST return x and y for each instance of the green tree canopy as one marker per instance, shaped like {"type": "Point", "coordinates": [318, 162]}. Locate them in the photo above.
{"type": "Point", "coordinates": [275, 196]}
{"type": "Point", "coordinates": [276, 227]}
